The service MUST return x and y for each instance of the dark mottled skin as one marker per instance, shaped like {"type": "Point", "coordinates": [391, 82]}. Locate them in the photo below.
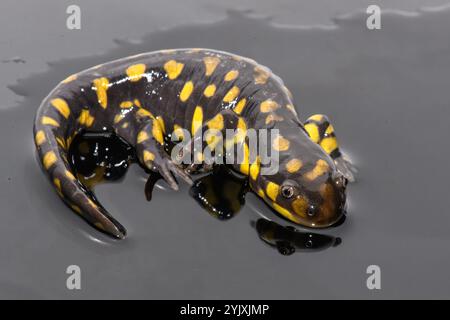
{"type": "Point", "coordinates": [155, 92]}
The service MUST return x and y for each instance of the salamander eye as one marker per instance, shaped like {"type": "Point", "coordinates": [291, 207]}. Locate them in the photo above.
{"type": "Point", "coordinates": [312, 209]}
{"type": "Point", "coordinates": [287, 191]}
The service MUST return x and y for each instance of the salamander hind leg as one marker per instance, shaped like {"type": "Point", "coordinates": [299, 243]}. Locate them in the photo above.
{"type": "Point", "coordinates": [321, 131]}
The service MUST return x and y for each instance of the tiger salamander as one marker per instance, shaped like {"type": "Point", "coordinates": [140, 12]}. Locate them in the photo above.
{"type": "Point", "coordinates": [150, 98]}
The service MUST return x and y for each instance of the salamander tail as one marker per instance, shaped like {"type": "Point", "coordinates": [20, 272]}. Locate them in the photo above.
{"type": "Point", "coordinates": [52, 152]}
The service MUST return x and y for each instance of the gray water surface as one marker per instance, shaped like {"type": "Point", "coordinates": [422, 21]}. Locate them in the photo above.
{"type": "Point", "coordinates": [388, 95]}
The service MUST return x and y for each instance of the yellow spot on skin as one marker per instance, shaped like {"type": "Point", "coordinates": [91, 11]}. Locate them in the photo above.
{"type": "Point", "coordinates": [70, 78]}
{"type": "Point", "coordinates": [178, 132]}
{"type": "Point", "coordinates": [49, 121]}
{"type": "Point", "coordinates": [186, 91]}
{"type": "Point", "coordinates": [125, 125]}
{"type": "Point", "coordinates": [319, 169]}
{"type": "Point", "coordinates": [118, 118]}
{"type": "Point", "coordinates": [313, 131]}
{"type": "Point", "coordinates": [245, 165]}
{"type": "Point", "coordinates": [99, 226]}
{"type": "Point", "coordinates": [284, 212]}
{"type": "Point", "coordinates": [157, 132]}
{"type": "Point", "coordinates": [142, 136]}
{"type": "Point", "coordinates": [49, 159]}
{"type": "Point", "coordinates": [69, 140]}
{"type": "Point", "coordinates": [241, 124]}
{"type": "Point", "coordinates": [135, 72]}
{"type": "Point", "coordinates": [101, 86]}
{"type": "Point", "coordinates": [57, 183]}
{"type": "Point", "coordinates": [199, 157]}
{"type": "Point", "coordinates": [254, 169]}
{"type": "Point", "coordinates": [241, 131]}
{"type": "Point", "coordinates": [69, 175]}
{"type": "Point", "coordinates": [212, 139]}
{"type": "Point", "coordinates": [229, 143]}
{"type": "Point", "coordinates": [291, 108]}
{"type": "Point", "coordinates": [272, 190]}
{"type": "Point", "coordinates": [61, 142]}
{"type": "Point", "coordinates": [280, 143]}
{"type": "Point", "coordinates": [210, 65]}
{"type": "Point", "coordinates": [40, 137]}
{"type": "Point", "coordinates": [85, 118]}
{"type": "Point", "coordinates": [273, 117]}
{"type": "Point", "coordinates": [293, 165]}
{"type": "Point", "coordinates": [210, 90]}
{"type": "Point", "coordinates": [76, 208]}
{"type": "Point", "coordinates": [91, 203]}
{"type": "Point", "coordinates": [161, 123]}
{"type": "Point", "coordinates": [300, 205]}
{"type": "Point", "coordinates": [316, 117]}
{"type": "Point", "coordinates": [148, 156]}
{"type": "Point", "coordinates": [261, 193]}
{"type": "Point", "coordinates": [329, 130]}
{"type": "Point", "coordinates": [268, 106]}
{"type": "Point", "coordinates": [261, 75]}
{"type": "Point", "coordinates": [126, 104]}
{"type": "Point", "coordinates": [231, 75]}
{"type": "Point", "coordinates": [231, 94]}
{"type": "Point", "coordinates": [240, 106]}
{"type": "Point", "coordinates": [173, 69]}
{"type": "Point", "coordinates": [137, 102]}
{"type": "Point", "coordinates": [144, 113]}
{"type": "Point", "coordinates": [329, 144]}
{"type": "Point", "coordinates": [197, 119]}
{"type": "Point", "coordinates": [216, 122]}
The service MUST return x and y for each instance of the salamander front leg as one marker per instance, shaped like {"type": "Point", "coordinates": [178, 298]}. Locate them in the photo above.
{"type": "Point", "coordinates": [141, 129]}
{"type": "Point", "coordinates": [152, 156]}
{"type": "Point", "coordinates": [321, 131]}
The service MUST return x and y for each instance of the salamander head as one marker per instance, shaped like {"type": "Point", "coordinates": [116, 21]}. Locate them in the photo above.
{"type": "Point", "coordinates": [307, 188]}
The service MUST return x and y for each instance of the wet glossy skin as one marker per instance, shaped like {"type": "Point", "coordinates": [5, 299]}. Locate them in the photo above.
{"type": "Point", "coordinates": [148, 98]}
{"type": "Point", "coordinates": [307, 189]}
{"type": "Point", "coordinates": [97, 158]}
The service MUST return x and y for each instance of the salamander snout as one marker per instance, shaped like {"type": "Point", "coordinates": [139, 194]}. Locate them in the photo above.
{"type": "Point", "coordinates": [317, 206]}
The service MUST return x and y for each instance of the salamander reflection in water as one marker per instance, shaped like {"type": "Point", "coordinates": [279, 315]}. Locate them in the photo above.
{"type": "Point", "coordinates": [288, 240]}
